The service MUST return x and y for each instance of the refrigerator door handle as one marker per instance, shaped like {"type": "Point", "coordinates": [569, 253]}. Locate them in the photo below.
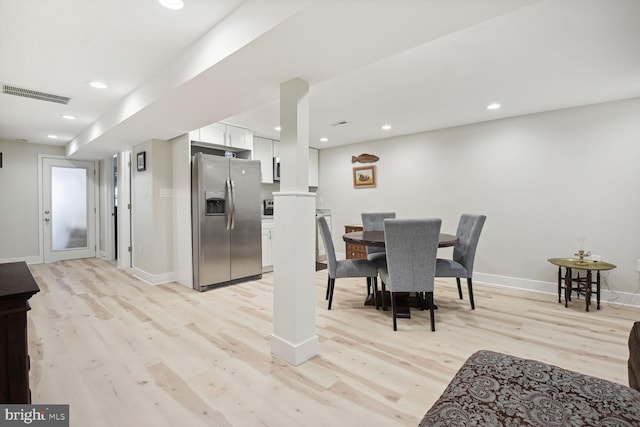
{"type": "Point", "coordinates": [230, 207]}
{"type": "Point", "coordinates": [233, 205]}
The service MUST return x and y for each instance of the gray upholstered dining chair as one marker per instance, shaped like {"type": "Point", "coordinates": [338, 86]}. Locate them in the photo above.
{"type": "Point", "coordinates": [464, 253]}
{"type": "Point", "coordinates": [374, 221]}
{"type": "Point", "coordinates": [344, 267]}
{"type": "Point", "coordinates": [412, 247]}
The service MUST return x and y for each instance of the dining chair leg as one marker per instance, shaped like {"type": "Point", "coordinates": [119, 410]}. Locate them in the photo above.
{"type": "Point", "coordinates": [384, 296]}
{"type": "Point", "coordinates": [459, 287]}
{"type": "Point", "coordinates": [470, 286]}
{"type": "Point", "coordinates": [332, 285]}
{"type": "Point", "coordinates": [393, 311]}
{"type": "Point", "coordinates": [375, 293]}
{"type": "Point", "coordinates": [328, 287]}
{"type": "Point", "coordinates": [368, 286]}
{"type": "Point", "coordinates": [431, 312]}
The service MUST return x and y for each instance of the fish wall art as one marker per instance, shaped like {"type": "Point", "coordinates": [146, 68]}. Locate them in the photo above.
{"type": "Point", "coordinates": [364, 158]}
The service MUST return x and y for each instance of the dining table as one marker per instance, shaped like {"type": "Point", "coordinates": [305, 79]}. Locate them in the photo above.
{"type": "Point", "coordinates": [376, 238]}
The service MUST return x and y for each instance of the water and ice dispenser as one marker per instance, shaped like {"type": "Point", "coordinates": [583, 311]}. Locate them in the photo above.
{"type": "Point", "coordinates": [214, 202]}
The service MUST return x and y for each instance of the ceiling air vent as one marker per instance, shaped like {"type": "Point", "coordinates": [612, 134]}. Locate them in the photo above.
{"type": "Point", "coordinates": [34, 94]}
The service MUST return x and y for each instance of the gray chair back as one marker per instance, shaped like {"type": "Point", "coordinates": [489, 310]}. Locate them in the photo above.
{"type": "Point", "coordinates": [469, 228]}
{"type": "Point", "coordinates": [412, 246]}
{"type": "Point", "coordinates": [374, 221]}
{"type": "Point", "coordinates": [328, 245]}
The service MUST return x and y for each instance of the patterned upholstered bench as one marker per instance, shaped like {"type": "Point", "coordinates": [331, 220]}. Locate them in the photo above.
{"type": "Point", "coordinates": [495, 389]}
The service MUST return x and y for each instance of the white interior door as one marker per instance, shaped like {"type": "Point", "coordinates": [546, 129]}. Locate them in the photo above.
{"type": "Point", "coordinates": [68, 209]}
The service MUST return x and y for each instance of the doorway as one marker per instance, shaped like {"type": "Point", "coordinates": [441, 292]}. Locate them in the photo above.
{"type": "Point", "coordinates": [68, 209]}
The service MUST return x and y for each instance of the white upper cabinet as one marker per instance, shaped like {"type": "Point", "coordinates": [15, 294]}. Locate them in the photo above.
{"type": "Point", "coordinates": [263, 151]}
{"type": "Point", "coordinates": [239, 137]}
{"type": "Point", "coordinates": [213, 134]}
{"type": "Point", "coordinates": [224, 135]}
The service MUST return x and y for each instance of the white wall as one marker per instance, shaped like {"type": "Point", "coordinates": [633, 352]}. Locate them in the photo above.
{"type": "Point", "coordinates": [152, 213]}
{"type": "Point", "coordinates": [545, 181]}
{"type": "Point", "coordinates": [19, 216]}
{"type": "Point", "coordinates": [182, 256]}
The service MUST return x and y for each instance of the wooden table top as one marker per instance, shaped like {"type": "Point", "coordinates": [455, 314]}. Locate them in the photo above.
{"type": "Point", "coordinates": [587, 264]}
{"type": "Point", "coordinates": [376, 238]}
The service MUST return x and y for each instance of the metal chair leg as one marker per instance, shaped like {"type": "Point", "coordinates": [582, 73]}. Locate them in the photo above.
{"type": "Point", "coordinates": [459, 287]}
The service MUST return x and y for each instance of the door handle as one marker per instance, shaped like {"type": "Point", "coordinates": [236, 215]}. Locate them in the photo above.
{"type": "Point", "coordinates": [230, 207]}
{"type": "Point", "coordinates": [233, 205]}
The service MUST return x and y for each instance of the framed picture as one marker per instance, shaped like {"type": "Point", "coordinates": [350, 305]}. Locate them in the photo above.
{"type": "Point", "coordinates": [364, 177]}
{"type": "Point", "coordinates": [142, 161]}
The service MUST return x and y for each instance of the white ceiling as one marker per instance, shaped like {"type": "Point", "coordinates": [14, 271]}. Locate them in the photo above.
{"type": "Point", "coordinates": [417, 65]}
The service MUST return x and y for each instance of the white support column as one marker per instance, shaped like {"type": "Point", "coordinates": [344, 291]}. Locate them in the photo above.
{"type": "Point", "coordinates": [294, 337]}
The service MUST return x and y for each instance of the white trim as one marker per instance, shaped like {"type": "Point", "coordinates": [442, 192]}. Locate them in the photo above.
{"type": "Point", "coordinates": [153, 279]}
{"type": "Point", "coordinates": [607, 296]}
{"type": "Point", "coordinates": [294, 194]}
{"type": "Point", "coordinates": [516, 283]}
{"type": "Point", "coordinates": [28, 259]}
{"type": "Point", "coordinates": [294, 354]}
{"type": "Point", "coordinates": [124, 217]}
{"type": "Point", "coordinates": [106, 209]}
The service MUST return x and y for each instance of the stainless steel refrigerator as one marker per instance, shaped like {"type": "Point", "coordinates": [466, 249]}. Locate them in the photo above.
{"type": "Point", "coordinates": [226, 219]}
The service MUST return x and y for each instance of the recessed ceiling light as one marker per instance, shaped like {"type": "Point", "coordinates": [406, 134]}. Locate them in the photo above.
{"type": "Point", "coordinates": [386, 127]}
{"type": "Point", "coordinates": [98, 85]}
{"type": "Point", "coordinates": [278, 128]}
{"type": "Point", "coordinates": [172, 4]}
{"type": "Point", "coordinates": [324, 139]}
{"type": "Point", "coordinates": [493, 106]}
{"type": "Point", "coordinates": [52, 136]}
{"type": "Point", "coordinates": [69, 117]}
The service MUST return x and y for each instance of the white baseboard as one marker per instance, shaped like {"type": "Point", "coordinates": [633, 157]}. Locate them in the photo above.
{"type": "Point", "coordinates": [153, 279]}
{"type": "Point", "coordinates": [292, 353]}
{"type": "Point", "coordinates": [606, 295]}
{"type": "Point", "coordinates": [29, 260]}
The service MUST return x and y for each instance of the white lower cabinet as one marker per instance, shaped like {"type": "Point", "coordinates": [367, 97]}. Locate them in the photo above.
{"type": "Point", "coordinates": [267, 244]}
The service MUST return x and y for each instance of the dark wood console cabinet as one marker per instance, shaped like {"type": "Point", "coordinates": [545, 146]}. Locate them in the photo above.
{"type": "Point", "coordinates": [17, 285]}
{"type": "Point", "coordinates": [354, 251]}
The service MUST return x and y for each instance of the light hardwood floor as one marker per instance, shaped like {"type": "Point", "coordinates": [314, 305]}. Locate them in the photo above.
{"type": "Point", "coordinates": [124, 353]}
